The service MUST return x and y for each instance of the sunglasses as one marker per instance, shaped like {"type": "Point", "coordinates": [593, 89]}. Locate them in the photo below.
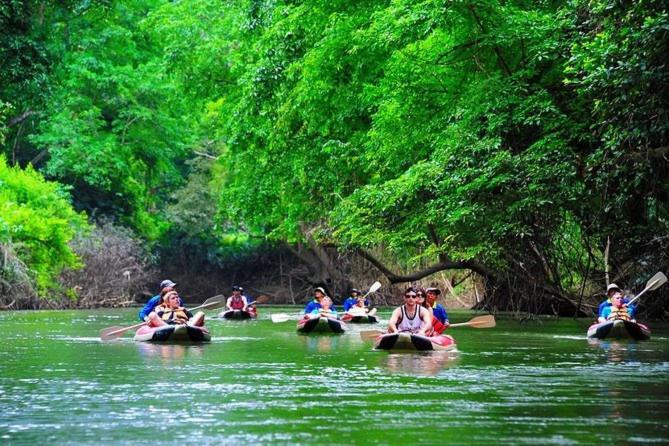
{"type": "Point", "coordinates": [409, 296]}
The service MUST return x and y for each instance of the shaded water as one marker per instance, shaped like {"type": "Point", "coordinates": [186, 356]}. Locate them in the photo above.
{"type": "Point", "coordinates": [261, 383]}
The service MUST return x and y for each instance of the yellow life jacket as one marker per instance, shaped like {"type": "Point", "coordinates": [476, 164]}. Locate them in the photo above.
{"type": "Point", "coordinates": [176, 316]}
{"type": "Point", "coordinates": [619, 313]}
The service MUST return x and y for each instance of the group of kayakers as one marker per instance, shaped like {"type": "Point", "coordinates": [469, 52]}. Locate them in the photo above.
{"type": "Point", "coordinates": [419, 314]}
{"type": "Point", "coordinates": [166, 307]}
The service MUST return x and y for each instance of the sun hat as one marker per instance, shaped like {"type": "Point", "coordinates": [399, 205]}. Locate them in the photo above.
{"type": "Point", "coordinates": [612, 287]}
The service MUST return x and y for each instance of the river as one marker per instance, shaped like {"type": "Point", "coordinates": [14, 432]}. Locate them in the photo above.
{"type": "Point", "coordinates": [259, 382]}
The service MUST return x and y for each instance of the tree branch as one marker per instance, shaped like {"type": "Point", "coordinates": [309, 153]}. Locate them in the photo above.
{"type": "Point", "coordinates": [20, 118]}
{"type": "Point", "coordinates": [439, 266]}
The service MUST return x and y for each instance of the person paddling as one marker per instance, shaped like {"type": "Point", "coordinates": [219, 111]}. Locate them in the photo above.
{"type": "Point", "coordinates": [166, 284]}
{"type": "Point", "coordinates": [170, 312]}
{"type": "Point", "coordinates": [326, 309]}
{"type": "Point", "coordinates": [319, 294]}
{"type": "Point", "coordinates": [360, 308]}
{"type": "Point", "coordinates": [237, 301]}
{"type": "Point", "coordinates": [617, 310]}
{"type": "Point", "coordinates": [439, 315]}
{"type": "Point", "coordinates": [410, 317]}
{"type": "Point", "coordinates": [612, 291]}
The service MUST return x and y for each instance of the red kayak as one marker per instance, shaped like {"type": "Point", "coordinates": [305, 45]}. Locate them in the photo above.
{"type": "Point", "coordinates": [619, 329]}
{"type": "Point", "coordinates": [413, 342]}
{"type": "Point", "coordinates": [173, 334]}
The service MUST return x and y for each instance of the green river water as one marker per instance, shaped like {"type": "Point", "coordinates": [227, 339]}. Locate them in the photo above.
{"type": "Point", "coordinates": [261, 383]}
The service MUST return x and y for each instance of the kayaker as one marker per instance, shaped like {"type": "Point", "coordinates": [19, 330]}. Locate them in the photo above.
{"type": "Point", "coordinates": [156, 300]}
{"type": "Point", "coordinates": [352, 299]}
{"type": "Point", "coordinates": [170, 312]}
{"type": "Point", "coordinates": [326, 309]}
{"type": "Point", "coordinates": [410, 317]}
{"type": "Point", "coordinates": [360, 308]}
{"type": "Point", "coordinates": [237, 301]}
{"type": "Point", "coordinates": [617, 310]}
{"type": "Point", "coordinates": [440, 317]}
{"type": "Point", "coordinates": [319, 294]}
{"type": "Point", "coordinates": [611, 291]}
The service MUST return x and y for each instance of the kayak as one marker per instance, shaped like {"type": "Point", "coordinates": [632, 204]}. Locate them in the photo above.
{"type": "Point", "coordinates": [320, 325]}
{"type": "Point", "coordinates": [619, 329]}
{"type": "Point", "coordinates": [173, 334]}
{"type": "Point", "coordinates": [360, 319]}
{"type": "Point", "coordinates": [238, 314]}
{"type": "Point", "coordinates": [413, 342]}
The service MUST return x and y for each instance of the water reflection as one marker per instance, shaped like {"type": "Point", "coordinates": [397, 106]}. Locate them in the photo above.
{"type": "Point", "coordinates": [168, 352]}
{"type": "Point", "coordinates": [424, 363]}
{"type": "Point", "coordinates": [616, 350]}
{"type": "Point", "coordinates": [320, 343]}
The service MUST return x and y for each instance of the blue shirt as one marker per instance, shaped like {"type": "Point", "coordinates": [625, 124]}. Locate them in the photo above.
{"type": "Point", "coordinates": [440, 313]}
{"type": "Point", "coordinates": [314, 305]}
{"type": "Point", "coordinates": [631, 309]}
{"type": "Point", "coordinates": [606, 312]}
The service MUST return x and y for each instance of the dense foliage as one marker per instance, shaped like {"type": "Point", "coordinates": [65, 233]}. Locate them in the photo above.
{"type": "Point", "coordinates": [514, 139]}
{"type": "Point", "coordinates": [37, 223]}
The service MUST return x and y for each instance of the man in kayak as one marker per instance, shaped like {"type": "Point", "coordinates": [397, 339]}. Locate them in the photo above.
{"type": "Point", "coordinates": [617, 310]}
{"type": "Point", "coordinates": [326, 309]}
{"type": "Point", "coordinates": [440, 317]}
{"type": "Point", "coordinates": [319, 294]}
{"type": "Point", "coordinates": [361, 308]}
{"type": "Point", "coordinates": [156, 300]}
{"type": "Point", "coordinates": [170, 312]}
{"type": "Point", "coordinates": [410, 316]}
{"type": "Point", "coordinates": [352, 299]}
{"type": "Point", "coordinates": [237, 301]}
{"type": "Point", "coordinates": [612, 291]}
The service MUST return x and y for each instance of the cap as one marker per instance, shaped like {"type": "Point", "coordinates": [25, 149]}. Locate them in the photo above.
{"type": "Point", "coordinates": [167, 283]}
{"type": "Point", "coordinates": [612, 287]}
{"type": "Point", "coordinates": [354, 290]}
{"type": "Point", "coordinates": [237, 288]}
{"type": "Point", "coordinates": [436, 291]}
{"type": "Point", "coordinates": [319, 289]}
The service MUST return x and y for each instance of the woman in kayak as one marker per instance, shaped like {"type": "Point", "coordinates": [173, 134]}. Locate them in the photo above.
{"type": "Point", "coordinates": [237, 301]}
{"type": "Point", "coordinates": [170, 312]}
{"type": "Point", "coordinates": [410, 317]}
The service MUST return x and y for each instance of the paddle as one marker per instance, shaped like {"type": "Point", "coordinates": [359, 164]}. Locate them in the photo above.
{"type": "Point", "coordinates": [109, 333]}
{"type": "Point", "coordinates": [654, 283]}
{"type": "Point", "coordinates": [485, 321]}
{"type": "Point", "coordinates": [260, 300]}
{"type": "Point", "coordinates": [281, 317]}
{"type": "Point", "coordinates": [372, 289]}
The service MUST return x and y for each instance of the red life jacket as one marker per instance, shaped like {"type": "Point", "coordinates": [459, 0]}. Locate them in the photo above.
{"type": "Point", "coordinates": [237, 303]}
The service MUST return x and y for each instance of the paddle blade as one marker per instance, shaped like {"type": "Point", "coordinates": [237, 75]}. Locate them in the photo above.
{"type": "Point", "coordinates": [280, 317]}
{"type": "Point", "coordinates": [212, 303]}
{"type": "Point", "coordinates": [370, 335]}
{"type": "Point", "coordinates": [260, 300]}
{"type": "Point", "coordinates": [109, 333]}
{"type": "Point", "coordinates": [486, 321]}
{"type": "Point", "coordinates": [656, 281]}
{"type": "Point", "coordinates": [374, 288]}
